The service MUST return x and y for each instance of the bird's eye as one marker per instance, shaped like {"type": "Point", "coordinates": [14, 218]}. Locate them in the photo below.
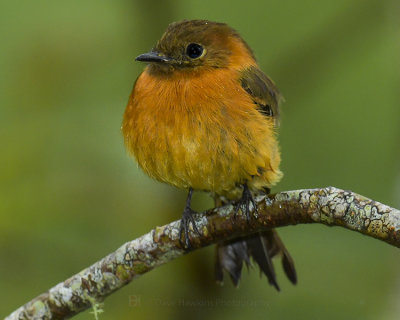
{"type": "Point", "coordinates": [194, 51]}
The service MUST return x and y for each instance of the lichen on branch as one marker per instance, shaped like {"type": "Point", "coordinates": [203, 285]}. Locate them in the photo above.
{"type": "Point", "coordinates": [329, 206]}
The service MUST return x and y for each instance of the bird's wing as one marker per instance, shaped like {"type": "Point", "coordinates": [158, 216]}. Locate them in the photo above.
{"type": "Point", "coordinates": [262, 90]}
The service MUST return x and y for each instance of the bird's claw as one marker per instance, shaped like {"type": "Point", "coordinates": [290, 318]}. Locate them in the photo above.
{"type": "Point", "coordinates": [244, 203]}
{"type": "Point", "coordinates": [187, 218]}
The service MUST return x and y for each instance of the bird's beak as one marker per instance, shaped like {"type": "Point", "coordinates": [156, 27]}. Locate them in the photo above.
{"type": "Point", "coordinates": [153, 56]}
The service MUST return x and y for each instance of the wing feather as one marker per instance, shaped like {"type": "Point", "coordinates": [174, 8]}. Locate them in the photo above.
{"type": "Point", "coordinates": [262, 90]}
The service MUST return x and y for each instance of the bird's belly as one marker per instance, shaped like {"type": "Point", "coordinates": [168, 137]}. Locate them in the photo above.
{"type": "Point", "coordinates": [207, 156]}
{"type": "Point", "coordinates": [202, 133]}
{"type": "Point", "coordinates": [188, 157]}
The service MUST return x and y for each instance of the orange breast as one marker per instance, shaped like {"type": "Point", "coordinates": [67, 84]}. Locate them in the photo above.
{"type": "Point", "coordinates": [200, 130]}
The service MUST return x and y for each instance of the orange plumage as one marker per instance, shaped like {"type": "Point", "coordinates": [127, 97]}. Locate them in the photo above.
{"type": "Point", "coordinates": [205, 122]}
{"type": "Point", "coordinates": [201, 129]}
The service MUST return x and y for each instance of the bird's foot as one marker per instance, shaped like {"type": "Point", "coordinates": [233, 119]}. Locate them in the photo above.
{"type": "Point", "coordinates": [186, 219]}
{"type": "Point", "coordinates": [244, 203]}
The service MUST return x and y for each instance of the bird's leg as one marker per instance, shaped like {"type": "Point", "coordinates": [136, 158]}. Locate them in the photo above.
{"type": "Point", "coordinates": [244, 202]}
{"type": "Point", "coordinates": [187, 218]}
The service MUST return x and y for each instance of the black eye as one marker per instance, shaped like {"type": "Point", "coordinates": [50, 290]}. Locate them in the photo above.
{"type": "Point", "coordinates": [194, 50]}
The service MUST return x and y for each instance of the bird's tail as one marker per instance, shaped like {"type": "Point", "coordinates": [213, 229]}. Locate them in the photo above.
{"type": "Point", "coordinates": [261, 247]}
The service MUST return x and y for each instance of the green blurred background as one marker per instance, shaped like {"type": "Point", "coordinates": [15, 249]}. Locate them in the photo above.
{"type": "Point", "coordinates": [69, 194]}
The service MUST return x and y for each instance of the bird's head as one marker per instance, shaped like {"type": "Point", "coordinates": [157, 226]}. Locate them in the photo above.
{"type": "Point", "coordinates": [198, 44]}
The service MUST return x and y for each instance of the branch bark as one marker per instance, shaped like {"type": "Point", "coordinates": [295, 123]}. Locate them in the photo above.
{"type": "Point", "coordinates": [329, 206]}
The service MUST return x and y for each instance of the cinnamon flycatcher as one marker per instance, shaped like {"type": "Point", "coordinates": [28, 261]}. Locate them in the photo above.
{"type": "Point", "coordinates": [203, 116]}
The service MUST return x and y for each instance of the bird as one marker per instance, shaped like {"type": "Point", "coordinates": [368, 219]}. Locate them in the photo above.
{"type": "Point", "coordinates": [203, 116]}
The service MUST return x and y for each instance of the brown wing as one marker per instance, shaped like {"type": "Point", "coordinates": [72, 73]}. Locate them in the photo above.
{"type": "Point", "coordinates": [263, 91]}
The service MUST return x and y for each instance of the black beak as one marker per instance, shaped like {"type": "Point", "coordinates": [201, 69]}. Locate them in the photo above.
{"type": "Point", "coordinates": [153, 56]}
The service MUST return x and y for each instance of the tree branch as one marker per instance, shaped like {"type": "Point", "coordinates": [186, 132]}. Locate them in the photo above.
{"type": "Point", "coordinates": [329, 206]}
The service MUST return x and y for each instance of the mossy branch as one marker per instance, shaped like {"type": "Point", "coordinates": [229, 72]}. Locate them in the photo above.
{"type": "Point", "coordinates": [329, 206]}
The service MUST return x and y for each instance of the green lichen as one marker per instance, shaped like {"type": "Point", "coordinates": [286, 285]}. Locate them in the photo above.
{"type": "Point", "coordinates": [367, 211]}
{"type": "Point", "coordinates": [325, 217]}
{"type": "Point", "coordinates": [140, 268]}
{"type": "Point", "coordinates": [39, 307]}
{"type": "Point", "coordinates": [122, 273]}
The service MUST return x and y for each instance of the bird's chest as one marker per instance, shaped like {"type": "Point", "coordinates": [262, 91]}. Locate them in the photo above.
{"type": "Point", "coordinates": [185, 118]}
{"type": "Point", "coordinates": [184, 140]}
{"type": "Point", "coordinates": [200, 134]}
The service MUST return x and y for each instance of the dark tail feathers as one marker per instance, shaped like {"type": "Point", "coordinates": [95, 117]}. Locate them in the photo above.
{"type": "Point", "coordinates": [262, 247]}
